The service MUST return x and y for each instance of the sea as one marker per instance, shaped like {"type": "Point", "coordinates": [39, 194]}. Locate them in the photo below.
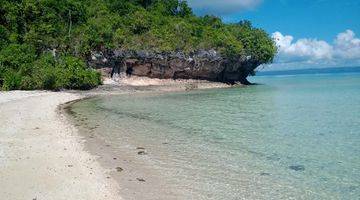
{"type": "Point", "coordinates": [293, 135]}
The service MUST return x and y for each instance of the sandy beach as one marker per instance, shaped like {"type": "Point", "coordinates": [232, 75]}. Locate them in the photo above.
{"type": "Point", "coordinates": [41, 154]}
{"type": "Point", "coordinates": [179, 100]}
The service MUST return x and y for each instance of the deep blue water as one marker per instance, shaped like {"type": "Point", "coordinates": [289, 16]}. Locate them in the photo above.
{"type": "Point", "coordinates": [317, 71]}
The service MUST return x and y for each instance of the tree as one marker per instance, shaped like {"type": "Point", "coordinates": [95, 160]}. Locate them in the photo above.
{"type": "Point", "coordinates": [29, 29]}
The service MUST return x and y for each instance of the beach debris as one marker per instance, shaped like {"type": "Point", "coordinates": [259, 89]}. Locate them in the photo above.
{"type": "Point", "coordinates": [297, 167]}
{"type": "Point", "coordinates": [36, 128]}
{"type": "Point", "coordinates": [114, 158]}
{"type": "Point", "coordinates": [141, 153]}
{"type": "Point", "coordinates": [140, 148]}
{"type": "Point", "coordinates": [119, 169]}
{"type": "Point", "coordinates": [70, 165]}
{"type": "Point", "coordinates": [140, 179]}
{"type": "Point", "coordinates": [191, 86]}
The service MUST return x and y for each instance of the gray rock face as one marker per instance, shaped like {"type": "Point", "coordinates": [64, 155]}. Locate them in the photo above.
{"type": "Point", "coordinates": [205, 65]}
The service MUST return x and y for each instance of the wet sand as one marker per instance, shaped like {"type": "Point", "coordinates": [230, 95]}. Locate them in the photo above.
{"type": "Point", "coordinates": [128, 165]}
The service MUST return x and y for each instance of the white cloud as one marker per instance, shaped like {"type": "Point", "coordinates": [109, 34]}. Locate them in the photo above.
{"type": "Point", "coordinates": [302, 49]}
{"type": "Point", "coordinates": [222, 7]}
{"type": "Point", "coordinates": [347, 46]}
{"type": "Point", "coordinates": [307, 52]}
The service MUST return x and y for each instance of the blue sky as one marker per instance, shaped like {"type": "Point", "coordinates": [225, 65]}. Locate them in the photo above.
{"type": "Point", "coordinates": [309, 33]}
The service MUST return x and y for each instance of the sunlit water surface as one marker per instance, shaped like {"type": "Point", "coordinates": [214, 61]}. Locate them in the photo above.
{"type": "Point", "coordinates": [293, 137]}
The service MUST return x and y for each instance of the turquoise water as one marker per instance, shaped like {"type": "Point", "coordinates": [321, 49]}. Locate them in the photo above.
{"type": "Point", "coordinates": [293, 137]}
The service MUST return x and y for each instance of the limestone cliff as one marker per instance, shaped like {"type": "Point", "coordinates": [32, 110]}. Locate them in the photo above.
{"type": "Point", "coordinates": [206, 65]}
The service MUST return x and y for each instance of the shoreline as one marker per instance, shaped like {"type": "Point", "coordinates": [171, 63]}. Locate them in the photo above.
{"type": "Point", "coordinates": [53, 154]}
{"type": "Point", "coordinates": [135, 174]}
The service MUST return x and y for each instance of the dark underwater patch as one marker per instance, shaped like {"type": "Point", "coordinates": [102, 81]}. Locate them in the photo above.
{"type": "Point", "coordinates": [297, 167]}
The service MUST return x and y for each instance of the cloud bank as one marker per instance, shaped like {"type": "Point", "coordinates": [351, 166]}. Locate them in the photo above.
{"type": "Point", "coordinates": [222, 7]}
{"type": "Point", "coordinates": [307, 52]}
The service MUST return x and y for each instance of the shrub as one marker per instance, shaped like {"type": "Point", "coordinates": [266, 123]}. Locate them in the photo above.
{"type": "Point", "coordinates": [28, 83]}
{"type": "Point", "coordinates": [65, 72]}
{"type": "Point", "coordinates": [12, 80]}
{"type": "Point", "coordinates": [73, 74]}
{"type": "Point", "coordinates": [16, 56]}
{"type": "Point", "coordinates": [3, 36]}
{"type": "Point", "coordinates": [2, 73]}
{"type": "Point", "coordinates": [50, 82]}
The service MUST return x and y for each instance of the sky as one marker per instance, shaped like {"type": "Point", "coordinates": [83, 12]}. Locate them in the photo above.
{"type": "Point", "coordinates": [308, 33]}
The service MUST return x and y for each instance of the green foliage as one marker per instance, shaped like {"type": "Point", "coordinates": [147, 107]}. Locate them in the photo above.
{"type": "Point", "coordinates": [11, 80]}
{"type": "Point", "coordinates": [256, 42]}
{"type": "Point", "coordinates": [17, 56]}
{"type": "Point", "coordinates": [15, 60]}
{"type": "Point", "coordinates": [30, 28]}
{"type": "Point", "coordinates": [79, 26]}
{"type": "Point", "coordinates": [4, 34]}
{"type": "Point", "coordinates": [72, 74]}
{"type": "Point", "coordinates": [65, 72]}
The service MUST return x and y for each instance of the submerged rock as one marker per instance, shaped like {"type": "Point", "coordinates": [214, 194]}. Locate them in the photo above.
{"type": "Point", "coordinates": [297, 167]}
{"type": "Point", "coordinates": [264, 174]}
{"type": "Point", "coordinates": [119, 169]}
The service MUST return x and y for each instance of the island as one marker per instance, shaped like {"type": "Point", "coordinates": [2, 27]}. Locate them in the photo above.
{"type": "Point", "coordinates": [57, 45]}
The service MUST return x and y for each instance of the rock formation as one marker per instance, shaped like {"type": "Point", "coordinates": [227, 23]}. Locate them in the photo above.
{"type": "Point", "coordinates": [205, 65]}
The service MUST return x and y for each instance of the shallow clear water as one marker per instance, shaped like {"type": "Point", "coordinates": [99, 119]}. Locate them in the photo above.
{"type": "Point", "coordinates": [294, 137]}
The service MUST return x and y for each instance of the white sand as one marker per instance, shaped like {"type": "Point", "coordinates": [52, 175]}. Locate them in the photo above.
{"type": "Point", "coordinates": [146, 81]}
{"type": "Point", "coordinates": [42, 156]}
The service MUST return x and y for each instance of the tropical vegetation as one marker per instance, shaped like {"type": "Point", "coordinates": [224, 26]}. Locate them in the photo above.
{"type": "Point", "coordinates": [44, 44]}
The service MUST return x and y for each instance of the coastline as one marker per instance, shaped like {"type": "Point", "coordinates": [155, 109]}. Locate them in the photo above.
{"type": "Point", "coordinates": [35, 165]}
{"type": "Point", "coordinates": [192, 164]}
{"type": "Point", "coordinates": [134, 173]}
{"type": "Point", "coordinates": [43, 154]}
